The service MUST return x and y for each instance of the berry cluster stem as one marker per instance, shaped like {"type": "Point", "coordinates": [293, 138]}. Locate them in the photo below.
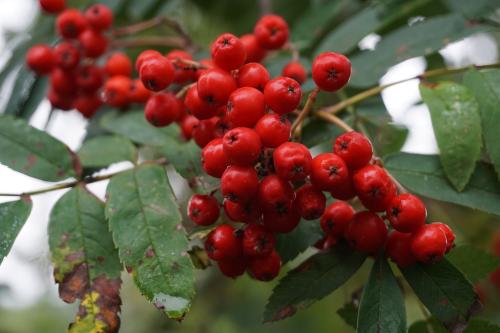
{"type": "Point", "coordinates": [297, 124]}
{"type": "Point", "coordinates": [333, 119]}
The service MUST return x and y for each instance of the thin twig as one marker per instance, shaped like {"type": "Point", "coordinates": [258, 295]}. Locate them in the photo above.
{"type": "Point", "coordinates": [190, 63]}
{"type": "Point", "coordinates": [49, 119]}
{"type": "Point", "coordinates": [181, 93]}
{"type": "Point", "coordinates": [333, 119]}
{"type": "Point", "coordinates": [174, 42]}
{"type": "Point", "coordinates": [297, 124]}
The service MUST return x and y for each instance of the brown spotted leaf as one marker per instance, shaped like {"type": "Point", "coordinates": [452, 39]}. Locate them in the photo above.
{"type": "Point", "coordinates": [313, 280]}
{"type": "Point", "coordinates": [86, 264]}
{"type": "Point", "coordinates": [146, 225]}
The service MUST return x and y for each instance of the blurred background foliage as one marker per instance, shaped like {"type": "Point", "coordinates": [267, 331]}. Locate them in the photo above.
{"type": "Point", "coordinates": [223, 305]}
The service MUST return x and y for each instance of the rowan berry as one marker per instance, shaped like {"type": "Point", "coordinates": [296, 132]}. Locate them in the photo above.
{"type": "Point", "coordinates": [156, 73]}
{"type": "Point", "coordinates": [146, 56]}
{"type": "Point", "coordinates": [182, 73]}
{"type": "Point", "coordinates": [228, 52]}
{"type": "Point", "coordinates": [66, 55]}
{"type": "Point", "coordinates": [117, 91]}
{"type": "Point", "coordinates": [310, 202]}
{"type": "Point", "coordinates": [429, 243]}
{"type": "Point", "coordinates": [89, 78]}
{"type": "Point", "coordinates": [265, 268]}
{"type": "Point", "coordinates": [93, 43]}
{"type": "Point", "coordinates": [215, 86]}
{"type": "Point", "coordinates": [282, 94]}
{"type": "Point", "coordinates": [203, 209]}
{"type": "Point", "coordinates": [344, 191]}
{"type": "Point", "coordinates": [336, 217]}
{"type": "Point", "coordinates": [399, 250]}
{"type": "Point", "coordinates": [271, 32]}
{"type": "Point", "coordinates": [70, 23]}
{"type": "Point", "coordinates": [139, 93]}
{"type": "Point", "coordinates": [253, 75]}
{"type": "Point", "coordinates": [187, 125]}
{"type": "Point", "coordinates": [242, 146]}
{"type": "Point", "coordinates": [99, 16]}
{"type": "Point", "coordinates": [281, 221]}
{"type": "Point", "coordinates": [161, 109]}
{"type": "Point", "coordinates": [257, 241]}
{"type": "Point", "coordinates": [292, 161]}
{"type": "Point", "coordinates": [296, 71]}
{"type": "Point", "coordinates": [406, 213]}
{"type": "Point", "coordinates": [224, 242]}
{"type": "Point", "coordinates": [213, 158]}
{"type": "Point", "coordinates": [328, 171]}
{"type": "Point", "coordinates": [88, 104]}
{"type": "Point", "coordinates": [60, 101]}
{"type": "Point", "coordinates": [366, 232]}
{"type": "Point", "coordinates": [204, 131]}
{"type": "Point", "coordinates": [53, 6]}
{"type": "Point", "coordinates": [450, 236]}
{"type": "Point", "coordinates": [374, 187]}
{"type": "Point", "coordinates": [198, 107]}
{"type": "Point", "coordinates": [275, 194]}
{"type": "Point", "coordinates": [246, 212]}
{"type": "Point", "coordinates": [354, 148]}
{"type": "Point", "coordinates": [239, 184]}
{"type": "Point", "coordinates": [273, 130]}
{"type": "Point", "coordinates": [254, 52]}
{"type": "Point", "coordinates": [63, 82]}
{"type": "Point", "coordinates": [233, 267]}
{"type": "Point", "coordinates": [118, 64]}
{"type": "Point", "coordinates": [40, 59]}
{"type": "Point", "coordinates": [331, 71]}
{"type": "Point", "coordinates": [245, 107]}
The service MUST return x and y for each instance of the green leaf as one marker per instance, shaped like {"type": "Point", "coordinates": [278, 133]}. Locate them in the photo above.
{"type": "Point", "coordinates": [382, 307]}
{"type": "Point", "coordinates": [314, 279]}
{"type": "Point", "coordinates": [86, 264]}
{"type": "Point", "coordinates": [473, 9]}
{"type": "Point", "coordinates": [486, 87]}
{"type": "Point", "coordinates": [23, 85]}
{"type": "Point", "coordinates": [474, 263]}
{"type": "Point", "coordinates": [478, 325]}
{"type": "Point", "coordinates": [290, 245]}
{"type": "Point", "coordinates": [140, 9]}
{"type": "Point", "coordinates": [36, 96]}
{"type": "Point", "coordinates": [349, 313]}
{"type": "Point", "coordinates": [445, 291]}
{"type": "Point", "coordinates": [147, 228]}
{"type": "Point", "coordinates": [424, 175]}
{"type": "Point", "coordinates": [457, 126]}
{"type": "Point", "coordinates": [427, 326]}
{"type": "Point", "coordinates": [134, 126]}
{"type": "Point", "coordinates": [13, 215]}
{"type": "Point", "coordinates": [317, 131]}
{"type": "Point", "coordinates": [185, 157]}
{"type": "Point", "coordinates": [419, 39]}
{"type": "Point", "coordinates": [102, 151]}
{"type": "Point", "coordinates": [34, 152]}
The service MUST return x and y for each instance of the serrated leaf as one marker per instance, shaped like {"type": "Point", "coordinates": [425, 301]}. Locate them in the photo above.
{"type": "Point", "coordinates": [349, 313]}
{"type": "Point", "coordinates": [445, 291]}
{"type": "Point", "coordinates": [478, 325]}
{"type": "Point", "coordinates": [313, 280]}
{"type": "Point", "coordinates": [147, 228]}
{"type": "Point", "coordinates": [486, 87]}
{"type": "Point", "coordinates": [474, 263]}
{"type": "Point", "coordinates": [185, 157]}
{"type": "Point", "coordinates": [86, 264]}
{"type": "Point", "coordinates": [290, 245]}
{"type": "Point", "coordinates": [382, 307]}
{"type": "Point", "coordinates": [105, 150]}
{"type": "Point", "coordinates": [424, 175]}
{"type": "Point", "coordinates": [457, 126]}
{"type": "Point", "coordinates": [34, 152]}
{"type": "Point", "coordinates": [13, 215]}
{"type": "Point", "coordinates": [420, 39]}
{"type": "Point", "coordinates": [134, 126]}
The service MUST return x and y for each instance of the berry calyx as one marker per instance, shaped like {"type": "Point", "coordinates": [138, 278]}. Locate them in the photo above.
{"type": "Point", "coordinates": [328, 171]}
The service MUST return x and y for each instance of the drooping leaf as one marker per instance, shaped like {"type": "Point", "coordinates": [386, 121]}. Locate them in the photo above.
{"type": "Point", "coordinates": [382, 307]}
{"type": "Point", "coordinates": [313, 280]}
{"type": "Point", "coordinates": [134, 126]}
{"type": "Point", "coordinates": [34, 152]}
{"type": "Point", "coordinates": [419, 39]}
{"type": "Point", "coordinates": [86, 264]}
{"type": "Point", "coordinates": [147, 228]}
{"type": "Point", "coordinates": [444, 290]}
{"type": "Point", "coordinates": [457, 126]}
{"type": "Point", "coordinates": [349, 313]}
{"type": "Point", "coordinates": [424, 175]}
{"type": "Point", "coordinates": [486, 87]}
{"type": "Point", "coordinates": [474, 263]}
{"type": "Point", "coordinates": [290, 245]}
{"type": "Point", "coordinates": [13, 215]}
{"type": "Point", "coordinates": [105, 150]}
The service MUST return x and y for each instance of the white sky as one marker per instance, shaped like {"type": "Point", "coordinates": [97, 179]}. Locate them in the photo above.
{"type": "Point", "coordinates": [26, 270]}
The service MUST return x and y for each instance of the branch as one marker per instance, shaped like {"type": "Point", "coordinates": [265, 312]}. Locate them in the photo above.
{"type": "Point", "coordinates": [332, 119]}
{"type": "Point", "coordinates": [297, 124]}
{"type": "Point", "coordinates": [376, 90]}
{"type": "Point", "coordinates": [88, 180]}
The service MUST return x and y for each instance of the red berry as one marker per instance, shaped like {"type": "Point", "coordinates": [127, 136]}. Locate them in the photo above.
{"type": "Point", "coordinates": [366, 232]}
{"type": "Point", "coordinates": [89, 78]}
{"type": "Point", "coordinates": [328, 171]}
{"type": "Point", "coordinates": [146, 56]}
{"type": "Point", "coordinates": [374, 187]}
{"type": "Point", "coordinates": [138, 93]}
{"type": "Point", "coordinates": [275, 194]}
{"type": "Point", "coordinates": [428, 244]}
{"type": "Point", "coordinates": [271, 32]}
{"type": "Point", "coordinates": [406, 212]}
{"type": "Point", "coordinates": [310, 202]}
{"type": "Point", "coordinates": [254, 52]}
{"type": "Point", "coordinates": [282, 94]}
{"type": "Point", "coordinates": [253, 75]}
{"type": "Point", "coordinates": [161, 109]}
{"type": "Point", "coordinates": [282, 221]}
{"type": "Point", "coordinates": [495, 278]}
{"type": "Point", "coordinates": [198, 107]}
{"type": "Point", "coordinates": [398, 248]}
{"type": "Point", "coordinates": [204, 131]}
{"type": "Point", "coordinates": [336, 217]}
{"type": "Point", "coordinates": [207, 63]}
{"type": "Point", "coordinates": [156, 73]}
{"type": "Point", "coordinates": [118, 64]}
{"type": "Point", "coordinates": [354, 148]}
{"type": "Point", "coordinates": [228, 52]}
{"type": "Point", "coordinates": [99, 16]}
{"type": "Point", "coordinates": [213, 158]}
{"type": "Point", "coordinates": [63, 82]}
{"type": "Point", "coordinates": [40, 59]}
{"type": "Point", "coordinates": [344, 191]}
{"type": "Point", "coordinates": [93, 42]}
{"type": "Point", "coordinates": [223, 243]}
{"type": "Point", "coordinates": [70, 23]}
{"type": "Point", "coordinates": [257, 241]}
{"type": "Point", "coordinates": [88, 104]}
{"type": "Point", "coordinates": [331, 71]}
{"type": "Point", "coordinates": [239, 184]}
{"type": "Point", "coordinates": [117, 91]}
{"type": "Point", "coordinates": [203, 209]}
{"type": "Point", "coordinates": [53, 6]}
{"type": "Point", "coordinates": [245, 107]}
{"type": "Point", "coordinates": [292, 161]}
{"type": "Point", "coordinates": [66, 55]}
{"type": "Point", "coordinates": [182, 72]}
{"type": "Point", "coordinates": [450, 236]}
{"type": "Point", "coordinates": [223, 126]}
{"type": "Point", "coordinates": [242, 146]}
{"type": "Point", "coordinates": [59, 101]}
{"type": "Point", "coordinates": [495, 244]}
{"type": "Point", "coordinates": [273, 130]}
{"type": "Point", "coordinates": [233, 267]}
{"type": "Point", "coordinates": [265, 268]}
{"type": "Point", "coordinates": [187, 124]}
{"type": "Point", "coordinates": [246, 212]}
{"type": "Point", "coordinates": [215, 86]}
{"type": "Point", "coordinates": [296, 71]}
